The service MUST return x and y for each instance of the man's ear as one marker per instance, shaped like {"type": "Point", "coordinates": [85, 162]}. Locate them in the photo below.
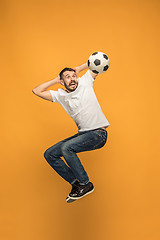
{"type": "Point", "coordinates": [61, 82]}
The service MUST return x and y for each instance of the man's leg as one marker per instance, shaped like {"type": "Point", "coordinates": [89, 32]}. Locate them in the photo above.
{"type": "Point", "coordinates": [84, 141]}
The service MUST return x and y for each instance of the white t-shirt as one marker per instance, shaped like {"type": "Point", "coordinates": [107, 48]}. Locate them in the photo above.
{"type": "Point", "coordinates": [82, 104]}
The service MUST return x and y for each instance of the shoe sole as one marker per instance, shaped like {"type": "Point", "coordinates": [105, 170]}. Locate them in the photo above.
{"type": "Point", "coordinates": [72, 199]}
{"type": "Point", "coordinates": [69, 200]}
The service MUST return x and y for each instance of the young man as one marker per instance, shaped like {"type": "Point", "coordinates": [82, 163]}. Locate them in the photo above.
{"type": "Point", "coordinates": [80, 102]}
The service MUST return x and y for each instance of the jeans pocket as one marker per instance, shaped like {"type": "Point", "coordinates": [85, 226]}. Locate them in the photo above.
{"type": "Point", "coordinates": [102, 135]}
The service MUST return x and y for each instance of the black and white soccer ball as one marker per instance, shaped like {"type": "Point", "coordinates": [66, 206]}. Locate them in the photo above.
{"type": "Point", "coordinates": [98, 62]}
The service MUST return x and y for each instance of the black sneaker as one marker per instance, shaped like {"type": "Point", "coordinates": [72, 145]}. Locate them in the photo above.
{"type": "Point", "coordinates": [74, 189]}
{"type": "Point", "coordinates": [75, 185]}
{"type": "Point", "coordinates": [80, 191]}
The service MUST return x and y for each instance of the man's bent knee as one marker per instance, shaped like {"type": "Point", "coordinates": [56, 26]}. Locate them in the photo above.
{"type": "Point", "coordinates": [46, 154]}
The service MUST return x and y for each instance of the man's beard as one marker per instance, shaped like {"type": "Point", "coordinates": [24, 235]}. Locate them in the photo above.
{"type": "Point", "coordinates": [68, 87]}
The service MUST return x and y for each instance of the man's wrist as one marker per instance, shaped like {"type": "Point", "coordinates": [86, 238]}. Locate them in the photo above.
{"type": "Point", "coordinates": [56, 80]}
{"type": "Point", "coordinates": [43, 86]}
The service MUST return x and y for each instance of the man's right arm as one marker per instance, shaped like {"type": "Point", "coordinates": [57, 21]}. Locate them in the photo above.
{"type": "Point", "coordinates": [41, 90]}
{"type": "Point", "coordinates": [83, 67]}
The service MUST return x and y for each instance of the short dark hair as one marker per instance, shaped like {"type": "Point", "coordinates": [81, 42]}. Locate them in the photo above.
{"type": "Point", "coordinates": [65, 69]}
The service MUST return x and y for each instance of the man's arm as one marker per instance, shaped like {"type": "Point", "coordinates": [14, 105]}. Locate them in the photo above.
{"type": "Point", "coordinates": [83, 67]}
{"type": "Point", "coordinates": [40, 90]}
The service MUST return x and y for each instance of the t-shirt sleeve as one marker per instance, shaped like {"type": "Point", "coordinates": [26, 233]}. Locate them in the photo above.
{"type": "Point", "coordinates": [54, 95]}
{"type": "Point", "coordinates": [87, 77]}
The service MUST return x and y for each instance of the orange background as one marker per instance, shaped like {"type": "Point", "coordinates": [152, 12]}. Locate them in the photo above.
{"type": "Point", "coordinates": [39, 38]}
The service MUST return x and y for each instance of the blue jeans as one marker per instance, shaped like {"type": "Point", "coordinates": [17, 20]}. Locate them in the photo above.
{"type": "Point", "coordinates": [80, 142]}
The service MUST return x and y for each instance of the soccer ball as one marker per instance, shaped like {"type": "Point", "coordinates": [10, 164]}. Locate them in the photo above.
{"type": "Point", "coordinates": [98, 62]}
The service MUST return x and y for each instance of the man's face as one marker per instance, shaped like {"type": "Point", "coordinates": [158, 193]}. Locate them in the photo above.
{"type": "Point", "coordinates": [70, 81]}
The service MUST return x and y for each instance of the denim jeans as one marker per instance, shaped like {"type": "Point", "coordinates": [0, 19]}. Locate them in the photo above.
{"type": "Point", "coordinates": [80, 142]}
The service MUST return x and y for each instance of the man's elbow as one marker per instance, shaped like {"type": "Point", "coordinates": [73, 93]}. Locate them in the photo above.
{"type": "Point", "coordinates": [34, 91]}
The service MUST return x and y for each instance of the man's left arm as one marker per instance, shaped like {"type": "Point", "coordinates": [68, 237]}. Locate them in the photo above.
{"type": "Point", "coordinates": [83, 67]}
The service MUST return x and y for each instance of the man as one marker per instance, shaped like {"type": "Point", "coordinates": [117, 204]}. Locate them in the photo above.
{"type": "Point", "coordinates": [80, 102]}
